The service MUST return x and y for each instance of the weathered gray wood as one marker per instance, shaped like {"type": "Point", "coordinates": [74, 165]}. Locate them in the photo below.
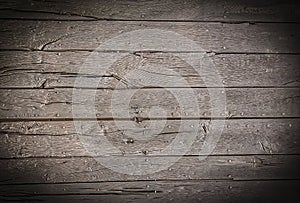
{"type": "Point", "coordinates": [155, 191]}
{"type": "Point", "coordinates": [31, 69]}
{"type": "Point", "coordinates": [257, 159]}
{"type": "Point", "coordinates": [193, 10]}
{"type": "Point", "coordinates": [60, 139]}
{"type": "Point", "coordinates": [85, 169]}
{"type": "Point", "coordinates": [217, 37]}
{"type": "Point", "coordinates": [278, 102]}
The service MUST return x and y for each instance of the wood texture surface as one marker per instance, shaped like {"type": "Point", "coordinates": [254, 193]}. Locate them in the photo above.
{"type": "Point", "coordinates": [211, 37]}
{"type": "Point", "coordinates": [87, 169]}
{"type": "Point", "coordinates": [43, 103]}
{"type": "Point", "coordinates": [169, 10]}
{"type": "Point", "coordinates": [147, 191]}
{"type": "Point", "coordinates": [254, 48]}
{"type": "Point", "coordinates": [60, 69]}
{"type": "Point", "coordinates": [60, 139]}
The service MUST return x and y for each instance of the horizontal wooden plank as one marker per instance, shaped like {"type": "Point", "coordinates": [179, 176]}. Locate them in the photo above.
{"type": "Point", "coordinates": [60, 139]}
{"type": "Point", "coordinates": [193, 10]}
{"type": "Point", "coordinates": [155, 191]}
{"type": "Point", "coordinates": [60, 69]}
{"type": "Point", "coordinates": [85, 169]}
{"type": "Point", "coordinates": [58, 103]}
{"type": "Point", "coordinates": [217, 37]}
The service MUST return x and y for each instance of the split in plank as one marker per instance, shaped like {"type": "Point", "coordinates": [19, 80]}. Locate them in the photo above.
{"type": "Point", "coordinates": [58, 103]}
{"type": "Point", "coordinates": [60, 69]}
{"type": "Point", "coordinates": [60, 139]}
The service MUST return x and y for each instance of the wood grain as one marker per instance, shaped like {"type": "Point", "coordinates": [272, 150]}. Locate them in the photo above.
{"type": "Point", "coordinates": [60, 139]}
{"type": "Point", "coordinates": [278, 102]}
{"type": "Point", "coordinates": [60, 69]}
{"type": "Point", "coordinates": [169, 10]}
{"type": "Point", "coordinates": [253, 45]}
{"type": "Point", "coordinates": [87, 169]}
{"type": "Point", "coordinates": [216, 37]}
{"type": "Point", "coordinates": [155, 191]}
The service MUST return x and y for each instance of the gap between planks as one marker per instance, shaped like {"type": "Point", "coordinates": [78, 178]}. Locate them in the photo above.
{"type": "Point", "coordinates": [54, 119]}
{"type": "Point", "coordinates": [153, 51]}
{"type": "Point", "coordinates": [149, 156]}
{"type": "Point", "coordinates": [156, 180]}
{"type": "Point", "coordinates": [250, 22]}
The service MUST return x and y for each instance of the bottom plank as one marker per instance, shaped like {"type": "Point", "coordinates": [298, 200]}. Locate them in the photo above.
{"type": "Point", "coordinates": [155, 191]}
{"type": "Point", "coordinates": [87, 169]}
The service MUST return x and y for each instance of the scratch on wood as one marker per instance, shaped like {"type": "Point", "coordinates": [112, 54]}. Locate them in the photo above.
{"type": "Point", "coordinates": [41, 84]}
{"type": "Point", "coordinates": [265, 148]}
{"type": "Point", "coordinates": [204, 128]}
{"type": "Point", "coordinates": [122, 80]}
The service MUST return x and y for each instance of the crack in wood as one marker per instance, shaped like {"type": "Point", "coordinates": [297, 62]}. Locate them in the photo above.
{"type": "Point", "coordinates": [42, 47]}
{"type": "Point", "coordinates": [50, 12]}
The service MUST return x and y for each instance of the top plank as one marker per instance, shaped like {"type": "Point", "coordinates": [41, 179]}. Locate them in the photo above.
{"type": "Point", "coordinates": [154, 10]}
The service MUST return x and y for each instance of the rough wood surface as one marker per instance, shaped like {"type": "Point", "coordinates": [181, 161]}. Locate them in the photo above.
{"type": "Point", "coordinates": [278, 102]}
{"type": "Point", "coordinates": [60, 69]}
{"type": "Point", "coordinates": [253, 45]}
{"type": "Point", "coordinates": [169, 10]}
{"type": "Point", "coordinates": [60, 139]}
{"type": "Point", "coordinates": [216, 37]}
{"type": "Point", "coordinates": [87, 169]}
{"type": "Point", "coordinates": [155, 191]}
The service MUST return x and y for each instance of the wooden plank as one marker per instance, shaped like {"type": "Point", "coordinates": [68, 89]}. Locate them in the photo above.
{"type": "Point", "coordinates": [190, 10]}
{"type": "Point", "coordinates": [60, 69]}
{"type": "Point", "coordinates": [155, 191]}
{"type": "Point", "coordinates": [86, 169]}
{"type": "Point", "coordinates": [58, 103]}
{"type": "Point", "coordinates": [60, 139]}
{"type": "Point", "coordinates": [216, 37]}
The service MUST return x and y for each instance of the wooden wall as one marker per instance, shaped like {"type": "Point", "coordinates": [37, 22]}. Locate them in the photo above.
{"type": "Point", "coordinates": [253, 44]}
